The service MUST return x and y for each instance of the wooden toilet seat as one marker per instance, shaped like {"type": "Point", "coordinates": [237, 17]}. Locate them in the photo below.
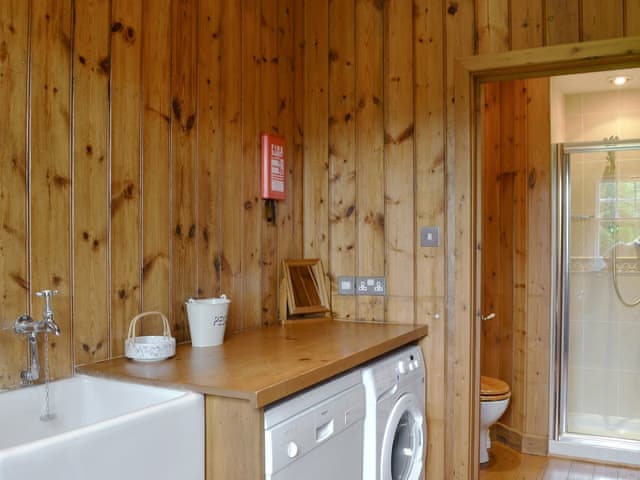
{"type": "Point", "coordinates": [493, 389]}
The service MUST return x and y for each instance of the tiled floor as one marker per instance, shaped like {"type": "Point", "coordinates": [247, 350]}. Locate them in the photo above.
{"type": "Point", "coordinates": [506, 464]}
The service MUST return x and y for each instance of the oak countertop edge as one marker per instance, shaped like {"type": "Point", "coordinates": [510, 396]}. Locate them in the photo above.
{"type": "Point", "coordinates": [258, 393]}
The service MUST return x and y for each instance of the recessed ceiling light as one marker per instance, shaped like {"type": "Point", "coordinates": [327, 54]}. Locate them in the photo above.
{"type": "Point", "coordinates": [619, 80]}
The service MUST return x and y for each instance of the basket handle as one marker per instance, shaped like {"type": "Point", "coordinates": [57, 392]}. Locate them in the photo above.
{"type": "Point", "coordinates": [166, 331]}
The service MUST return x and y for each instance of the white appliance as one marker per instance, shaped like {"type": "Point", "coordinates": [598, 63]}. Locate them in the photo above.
{"type": "Point", "coordinates": [395, 424]}
{"type": "Point", "coordinates": [317, 434]}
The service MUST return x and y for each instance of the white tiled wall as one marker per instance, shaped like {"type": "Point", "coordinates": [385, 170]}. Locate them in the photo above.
{"type": "Point", "coordinates": [604, 353]}
{"type": "Point", "coordinates": [594, 116]}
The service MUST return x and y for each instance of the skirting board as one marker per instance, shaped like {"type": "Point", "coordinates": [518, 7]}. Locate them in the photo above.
{"type": "Point", "coordinates": [530, 444]}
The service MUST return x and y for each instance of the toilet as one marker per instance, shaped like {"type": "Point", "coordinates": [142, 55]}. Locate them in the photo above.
{"type": "Point", "coordinates": [494, 400]}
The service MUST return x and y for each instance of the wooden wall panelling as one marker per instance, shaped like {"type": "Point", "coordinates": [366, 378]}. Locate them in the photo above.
{"type": "Point", "coordinates": [297, 167]}
{"type": "Point", "coordinates": [370, 151]}
{"type": "Point", "coordinates": [491, 253]}
{"type": "Point", "coordinates": [156, 153]}
{"type": "Point", "coordinates": [316, 132]}
{"type": "Point", "coordinates": [631, 18]}
{"type": "Point", "coordinates": [286, 67]}
{"type": "Point", "coordinates": [252, 214]}
{"type": "Point", "coordinates": [269, 124]}
{"type": "Point", "coordinates": [90, 179]}
{"type": "Point", "coordinates": [14, 271]}
{"type": "Point", "coordinates": [50, 190]}
{"type": "Point", "coordinates": [126, 53]}
{"type": "Point", "coordinates": [209, 141]}
{"type": "Point", "coordinates": [461, 456]}
{"type": "Point", "coordinates": [183, 165]}
{"type": "Point", "coordinates": [428, 45]}
{"type": "Point", "coordinates": [231, 188]}
{"type": "Point", "coordinates": [399, 191]}
{"type": "Point", "coordinates": [506, 223]}
{"type": "Point", "coordinates": [538, 258]}
{"type": "Point", "coordinates": [602, 19]}
{"type": "Point", "coordinates": [342, 171]}
{"type": "Point", "coordinates": [493, 26]}
{"type": "Point", "coordinates": [518, 388]}
{"type": "Point", "coordinates": [562, 21]}
{"type": "Point", "coordinates": [527, 24]}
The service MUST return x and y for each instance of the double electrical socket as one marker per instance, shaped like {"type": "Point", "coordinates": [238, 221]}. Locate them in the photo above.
{"type": "Point", "coordinates": [348, 285]}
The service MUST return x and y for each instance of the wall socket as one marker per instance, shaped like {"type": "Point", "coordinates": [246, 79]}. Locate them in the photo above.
{"type": "Point", "coordinates": [371, 286]}
{"type": "Point", "coordinates": [349, 285]}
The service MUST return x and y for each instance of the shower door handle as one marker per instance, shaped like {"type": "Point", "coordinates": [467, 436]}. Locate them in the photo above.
{"type": "Point", "coordinates": [488, 317]}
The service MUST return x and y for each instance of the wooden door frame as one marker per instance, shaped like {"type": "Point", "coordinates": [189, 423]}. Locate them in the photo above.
{"type": "Point", "coordinates": [463, 203]}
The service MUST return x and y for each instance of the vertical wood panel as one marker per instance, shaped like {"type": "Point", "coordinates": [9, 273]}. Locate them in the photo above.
{"type": "Point", "coordinates": [461, 456]}
{"type": "Point", "coordinates": [520, 246]}
{"type": "Point", "coordinates": [90, 180]}
{"type": "Point", "coordinates": [231, 92]}
{"type": "Point", "coordinates": [269, 123]}
{"type": "Point", "coordinates": [316, 134]}
{"type": "Point", "coordinates": [208, 147]}
{"type": "Point", "coordinates": [399, 161]}
{"type": "Point", "coordinates": [526, 24]}
{"type": "Point", "coordinates": [297, 167]}
{"type": "Point", "coordinates": [631, 18]}
{"type": "Point", "coordinates": [126, 52]}
{"type": "Point", "coordinates": [253, 209]}
{"type": "Point", "coordinates": [493, 26]}
{"type": "Point", "coordinates": [370, 150]}
{"type": "Point", "coordinates": [539, 247]}
{"type": "Point", "coordinates": [50, 188]}
{"type": "Point", "coordinates": [562, 21]}
{"type": "Point", "coordinates": [156, 150]}
{"type": "Point", "coordinates": [430, 210]}
{"type": "Point", "coordinates": [342, 133]}
{"type": "Point", "coordinates": [601, 19]}
{"type": "Point", "coordinates": [286, 120]}
{"type": "Point", "coordinates": [233, 426]}
{"type": "Point", "coordinates": [14, 277]}
{"type": "Point", "coordinates": [491, 252]}
{"type": "Point", "coordinates": [183, 165]}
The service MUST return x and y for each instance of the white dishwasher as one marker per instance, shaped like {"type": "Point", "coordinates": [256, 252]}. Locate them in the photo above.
{"type": "Point", "coordinates": [317, 434]}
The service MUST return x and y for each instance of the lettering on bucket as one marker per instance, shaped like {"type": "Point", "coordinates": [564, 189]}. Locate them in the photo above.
{"type": "Point", "coordinates": [219, 320]}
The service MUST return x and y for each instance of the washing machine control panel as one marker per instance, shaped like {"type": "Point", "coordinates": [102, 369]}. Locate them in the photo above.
{"type": "Point", "coordinates": [401, 368]}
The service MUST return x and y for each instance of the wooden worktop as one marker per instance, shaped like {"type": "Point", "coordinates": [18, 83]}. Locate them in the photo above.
{"type": "Point", "coordinates": [266, 364]}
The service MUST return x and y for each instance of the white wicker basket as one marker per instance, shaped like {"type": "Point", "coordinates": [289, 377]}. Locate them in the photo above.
{"type": "Point", "coordinates": [149, 348]}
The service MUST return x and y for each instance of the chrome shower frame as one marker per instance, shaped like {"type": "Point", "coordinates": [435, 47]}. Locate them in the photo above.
{"type": "Point", "coordinates": [563, 442]}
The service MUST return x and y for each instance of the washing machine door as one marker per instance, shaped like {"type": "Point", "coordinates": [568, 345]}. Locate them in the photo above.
{"type": "Point", "coordinates": [403, 444]}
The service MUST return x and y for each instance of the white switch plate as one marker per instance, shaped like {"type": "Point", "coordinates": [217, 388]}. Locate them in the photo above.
{"type": "Point", "coordinates": [346, 285]}
{"type": "Point", "coordinates": [430, 236]}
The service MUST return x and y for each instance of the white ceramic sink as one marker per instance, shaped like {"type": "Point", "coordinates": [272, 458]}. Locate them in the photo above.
{"type": "Point", "coordinates": [102, 430]}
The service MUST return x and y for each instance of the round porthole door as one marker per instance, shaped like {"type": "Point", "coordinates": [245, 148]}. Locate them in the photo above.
{"type": "Point", "coordinates": [404, 440]}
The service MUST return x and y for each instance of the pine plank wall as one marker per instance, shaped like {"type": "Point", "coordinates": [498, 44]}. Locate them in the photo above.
{"type": "Point", "coordinates": [129, 140]}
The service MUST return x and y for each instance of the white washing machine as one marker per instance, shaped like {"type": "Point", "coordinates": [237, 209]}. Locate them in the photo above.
{"type": "Point", "coordinates": [395, 431]}
{"type": "Point", "coordinates": [317, 434]}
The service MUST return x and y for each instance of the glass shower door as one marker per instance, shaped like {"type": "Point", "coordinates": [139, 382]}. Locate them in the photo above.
{"type": "Point", "coordinates": [599, 385]}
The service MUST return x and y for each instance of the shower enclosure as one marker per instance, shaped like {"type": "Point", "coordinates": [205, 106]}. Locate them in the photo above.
{"type": "Point", "coordinates": [597, 301]}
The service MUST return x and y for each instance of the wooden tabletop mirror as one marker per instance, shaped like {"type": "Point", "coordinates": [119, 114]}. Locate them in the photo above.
{"type": "Point", "coordinates": [303, 289]}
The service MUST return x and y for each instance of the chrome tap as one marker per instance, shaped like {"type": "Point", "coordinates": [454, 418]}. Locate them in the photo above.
{"type": "Point", "coordinates": [25, 325]}
{"type": "Point", "coordinates": [50, 324]}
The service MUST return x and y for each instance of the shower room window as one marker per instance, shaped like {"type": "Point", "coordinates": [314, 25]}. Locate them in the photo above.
{"type": "Point", "coordinates": [618, 212]}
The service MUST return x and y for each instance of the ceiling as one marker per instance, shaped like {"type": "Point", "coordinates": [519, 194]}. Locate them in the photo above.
{"type": "Point", "coordinates": [595, 81]}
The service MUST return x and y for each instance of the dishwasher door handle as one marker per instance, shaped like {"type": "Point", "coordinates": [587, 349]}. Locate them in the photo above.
{"type": "Point", "coordinates": [324, 431]}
